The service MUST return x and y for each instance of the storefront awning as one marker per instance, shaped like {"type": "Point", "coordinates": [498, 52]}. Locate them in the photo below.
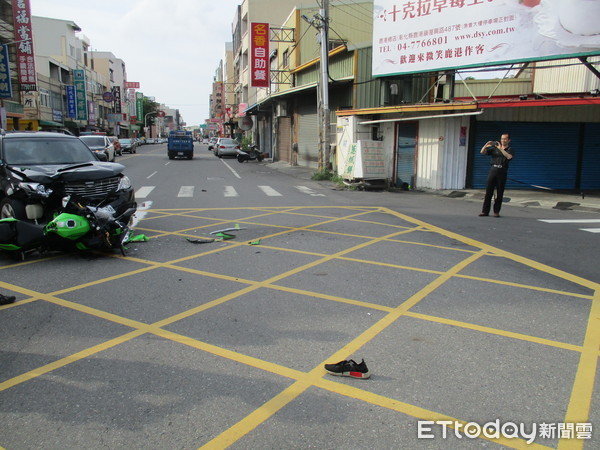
{"type": "Point", "coordinates": [277, 95]}
{"type": "Point", "coordinates": [50, 123]}
{"type": "Point", "coordinates": [428, 107]}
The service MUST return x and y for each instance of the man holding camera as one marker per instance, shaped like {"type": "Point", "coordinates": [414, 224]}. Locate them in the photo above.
{"type": "Point", "coordinates": [501, 154]}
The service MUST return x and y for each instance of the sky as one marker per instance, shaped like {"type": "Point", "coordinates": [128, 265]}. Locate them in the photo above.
{"type": "Point", "coordinates": [172, 48]}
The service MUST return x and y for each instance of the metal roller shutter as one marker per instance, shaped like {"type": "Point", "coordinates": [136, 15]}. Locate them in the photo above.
{"type": "Point", "coordinates": [545, 154]}
{"type": "Point", "coordinates": [308, 135]}
{"type": "Point", "coordinates": [590, 167]}
{"type": "Point", "coordinates": [284, 139]}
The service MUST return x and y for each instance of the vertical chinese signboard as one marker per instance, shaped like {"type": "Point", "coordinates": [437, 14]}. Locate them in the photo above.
{"type": "Point", "coordinates": [139, 106]}
{"type": "Point", "coordinates": [25, 55]}
{"type": "Point", "coordinates": [81, 97]}
{"type": "Point", "coordinates": [116, 91]}
{"type": "Point", "coordinates": [5, 84]}
{"type": "Point", "coordinates": [259, 57]}
{"type": "Point", "coordinates": [71, 102]}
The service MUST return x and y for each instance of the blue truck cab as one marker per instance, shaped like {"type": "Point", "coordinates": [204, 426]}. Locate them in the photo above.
{"type": "Point", "coordinates": [180, 144]}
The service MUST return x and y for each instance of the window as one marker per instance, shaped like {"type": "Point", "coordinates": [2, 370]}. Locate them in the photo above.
{"type": "Point", "coordinates": [44, 97]}
{"type": "Point", "coordinates": [286, 58]}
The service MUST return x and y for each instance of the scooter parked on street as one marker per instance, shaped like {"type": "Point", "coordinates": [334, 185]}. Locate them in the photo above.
{"type": "Point", "coordinates": [252, 154]}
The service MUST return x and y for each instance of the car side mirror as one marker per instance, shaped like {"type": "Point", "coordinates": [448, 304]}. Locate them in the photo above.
{"type": "Point", "coordinates": [102, 157]}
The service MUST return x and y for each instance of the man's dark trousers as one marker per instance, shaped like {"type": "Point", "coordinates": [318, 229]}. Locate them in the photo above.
{"type": "Point", "coordinates": [496, 180]}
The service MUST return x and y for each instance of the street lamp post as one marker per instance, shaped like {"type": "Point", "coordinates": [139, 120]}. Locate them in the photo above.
{"type": "Point", "coordinates": [145, 121]}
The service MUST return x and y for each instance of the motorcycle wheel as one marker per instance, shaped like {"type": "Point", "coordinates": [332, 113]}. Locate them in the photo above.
{"type": "Point", "coordinates": [259, 157]}
{"type": "Point", "coordinates": [240, 158]}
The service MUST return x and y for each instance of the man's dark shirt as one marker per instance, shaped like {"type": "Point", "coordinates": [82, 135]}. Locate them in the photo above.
{"type": "Point", "coordinates": [498, 159]}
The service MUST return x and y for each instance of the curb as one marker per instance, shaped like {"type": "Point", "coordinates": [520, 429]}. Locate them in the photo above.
{"type": "Point", "coordinates": [545, 201]}
{"type": "Point", "coordinates": [563, 202]}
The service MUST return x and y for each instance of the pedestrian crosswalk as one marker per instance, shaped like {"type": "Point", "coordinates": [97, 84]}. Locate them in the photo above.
{"type": "Point", "coordinates": [228, 191]}
{"type": "Point", "coordinates": [576, 221]}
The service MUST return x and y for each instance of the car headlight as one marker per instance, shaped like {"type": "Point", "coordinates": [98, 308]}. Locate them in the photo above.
{"type": "Point", "coordinates": [35, 188]}
{"type": "Point", "coordinates": [124, 183]}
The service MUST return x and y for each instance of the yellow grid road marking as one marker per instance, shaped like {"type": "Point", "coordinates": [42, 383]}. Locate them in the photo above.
{"type": "Point", "coordinates": [579, 405]}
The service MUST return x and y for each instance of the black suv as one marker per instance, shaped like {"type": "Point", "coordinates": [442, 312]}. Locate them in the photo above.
{"type": "Point", "coordinates": [39, 169]}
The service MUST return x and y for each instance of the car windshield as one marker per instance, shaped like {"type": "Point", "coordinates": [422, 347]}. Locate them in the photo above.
{"type": "Point", "coordinates": [93, 141]}
{"type": "Point", "coordinates": [46, 151]}
{"type": "Point", "coordinates": [125, 141]}
{"type": "Point", "coordinates": [228, 142]}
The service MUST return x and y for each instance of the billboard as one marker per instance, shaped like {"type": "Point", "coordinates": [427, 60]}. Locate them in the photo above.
{"type": "Point", "coordinates": [80, 94]}
{"type": "Point", "coordinates": [426, 35]}
{"type": "Point", "coordinates": [5, 83]}
{"type": "Point", "coordinates": [25, 53]}
{"type": "Point", "coordinates": [259, 54]}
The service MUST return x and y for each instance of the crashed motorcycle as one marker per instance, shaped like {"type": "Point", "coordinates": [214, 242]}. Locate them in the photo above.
{"type": "Point", "coordinates": [252, 154]}
{"type": "Point", "coordinates": [77, 227]}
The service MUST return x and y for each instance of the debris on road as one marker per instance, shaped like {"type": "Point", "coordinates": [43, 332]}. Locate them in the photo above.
{"type": "Point", "coordinates": [200, 241]}
{"type": "Point", "coordinates": [236, 227]}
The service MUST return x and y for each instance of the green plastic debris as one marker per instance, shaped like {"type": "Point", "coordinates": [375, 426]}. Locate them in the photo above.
{"type": "Point", "coordinates": [139, 238]}
{"type": "Point", "coordinates": [224, 236]}
{"type": "Point", "coordinates": [257, 242]}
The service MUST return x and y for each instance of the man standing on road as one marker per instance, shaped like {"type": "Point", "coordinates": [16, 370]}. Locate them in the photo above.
{"type": "Point", "coordinates": [501, 154]}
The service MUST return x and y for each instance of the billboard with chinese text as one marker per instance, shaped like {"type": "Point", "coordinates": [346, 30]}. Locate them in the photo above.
{"type": "Point", "coordinates": [25, 53]}
{"type": "Point", "coordinates": [259, 54]}
{"type": "Point", "coordinates": [80, 94]}
{"type": "Point", "coordinates": [427, 35]}
{"type": "Point", "coordinates": [5, 83]}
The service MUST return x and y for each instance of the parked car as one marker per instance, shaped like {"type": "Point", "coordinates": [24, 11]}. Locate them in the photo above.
{"type": "Point", "coordinates": [129, 145]}
{"type": "Point", "coordinates": [226, 147]}
{"type": "Point", "coordinates": [117, 145]}
{"type": "Point", "coordinates": [211, 143]}
{"type": "Point", "coordinates": [100, 144]}
{"type": "Point", "coordinates": [39, 169]}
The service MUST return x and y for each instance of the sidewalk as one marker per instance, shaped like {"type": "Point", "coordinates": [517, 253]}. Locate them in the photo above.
{"type": "Point", "coordinates": [564, 200]}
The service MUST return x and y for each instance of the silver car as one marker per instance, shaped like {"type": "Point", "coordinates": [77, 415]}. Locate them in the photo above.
{"type": "Point", "coordinates": [100, 144]}
{"type": "Point", "coordinates": [226, 147]}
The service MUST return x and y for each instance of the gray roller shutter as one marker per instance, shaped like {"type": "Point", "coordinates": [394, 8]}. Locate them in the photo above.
{"type": "Point", "coordinates": [308, 135]}
{"type": "Point", "coordinates": [284, 139]}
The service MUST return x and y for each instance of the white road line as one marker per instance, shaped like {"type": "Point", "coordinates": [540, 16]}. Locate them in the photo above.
{"type": "Point", "coordinates": [591, 230]}
{"type": "Point", "coordinates": [144, 191]}
{"type": "Point", "coordinates": [231, 168]}
{"type": "Point", "coordinates": [309, 191]}
{"type": "Point", "coordinates": [269, 191]}
{"type": "Point", "coordinates": [230, 192]}
{"type": "Point", "coordinates": [186, 191]}
{"type": "Point", "coordinates": [570, 220]}
{"type": "Point", "coordinates": [151, 175]}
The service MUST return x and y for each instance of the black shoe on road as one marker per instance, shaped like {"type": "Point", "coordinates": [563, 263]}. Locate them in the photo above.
{"type": "Point", "coordinates": [349, 368]}
{"type": "Point", "coordinates": [4, 300]}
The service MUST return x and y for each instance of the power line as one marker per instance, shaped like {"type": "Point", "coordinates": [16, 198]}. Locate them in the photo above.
{"type": "Point", "coordinates": [345, 11]}
{"type": "Point", "coordinates": [355, 7]}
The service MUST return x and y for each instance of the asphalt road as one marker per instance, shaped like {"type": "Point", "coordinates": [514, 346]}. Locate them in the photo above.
{"type": "Point", "coordinates": [185, 343]}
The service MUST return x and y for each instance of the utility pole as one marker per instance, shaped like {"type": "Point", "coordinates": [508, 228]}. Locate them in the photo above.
{"type": "Point", "coordinates": [321, 23]}
{"type": "Point", "coordinates": [324, 152]}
